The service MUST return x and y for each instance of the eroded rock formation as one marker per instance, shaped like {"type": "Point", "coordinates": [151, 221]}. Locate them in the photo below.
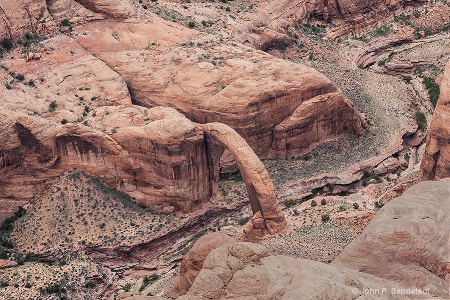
{"type": "Point", "coordinates": [268, 219]}
{"type": "Point", "coordinates": [193, 261]}
{"type": "Point", "coordinates": [156, 155]}
{"type": "Point", "coordinates": [24, 16]}
{"type": "Point", "coordinates": [407, 240]}
{"type": "Point", "coordinates": [436, 159]}
{"type": "Point", "coordinates": [159, 158]}
{"type": "Point", "coordinates": [404, 247]}
{"type": "Point", "coordinates": [282, 109]}
{"type": "Point", "coordinates": [349, 17]}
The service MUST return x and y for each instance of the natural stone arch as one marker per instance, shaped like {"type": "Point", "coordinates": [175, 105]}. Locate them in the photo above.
{"type": "Point", "coordinates": [268, 218]}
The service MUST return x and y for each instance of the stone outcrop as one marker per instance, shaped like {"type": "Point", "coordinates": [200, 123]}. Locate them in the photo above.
{"type": "Point", "coordinates": [248, 271]}
{"type": "Point", "coordinates": [372, 53]}
{"type": "Point", "coordinates": [24, 16]}
{"type": "Point", "coordinates": [268, 219]}
{"type": "Point", "coordinates": [349, 17]}
{"type": "Point", "coordinates": [115, 9]}
{"type": "Point", "coordinates": [282, 109]}
{"type": "Point", "coordinates": [436, 159]}
{"type": "Point", "coordinates": [156, 155]}
{"type": "Point", "coordinates": [193, 261]}
{"type": "Point", "coordinates": [43, 17]}
{"type": "Point", "coordinates": [407, 240]}
{"type": "Point", "coordinates": [404, 247]}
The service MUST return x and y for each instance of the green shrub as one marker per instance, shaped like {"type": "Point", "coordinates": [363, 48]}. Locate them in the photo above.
{"type": "Point", "coordinates": [148, 280]}
{"type": "Point", "coordinates": [65, 23]}
{"type": "Point", "coordinates": [355, 205]}
{"type": "Point", "coordinates": [313, 203]}
{"type": "Point", "coordinates": [89, 285]}
{"type": "Point", "coordinates": [7, 44]}
{"type": "Point", "coordinates": [407, 157]}
{"type": "Point", "coordinates": [127, 287]}
{"type": "Point", "coordinates": [290, 203]}
{"type": "Point", "coordinates": [325, 218]}
{"type": "Point", "coordinates": [323, 202]}
{"type": "Point", "coordinates": [52, 106]}
{"type": "Point", "coordinates": [191, 24]}
{"type": "Point", "coordinates": [379, 205]}
{"type": "Point", "coordinates": [421, 120]}
{"type": "Point", "coordinates": [244, 221]}
{"type": "Point", "coordinates": [53, 288]}
{"type": "Point", "coordinates": [64, 121]}
{"type": "Point", "coordinates": [433, 89]}
{"type": "Point", "coordinates": [20, 77]}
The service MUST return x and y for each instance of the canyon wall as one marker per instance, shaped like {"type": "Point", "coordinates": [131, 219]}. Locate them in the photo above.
{"type": "Point", "coordinates": [436, 159]}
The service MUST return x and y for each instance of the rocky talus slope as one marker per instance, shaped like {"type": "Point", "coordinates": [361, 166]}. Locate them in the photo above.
{"type": "Point", "coordinates": [436, 160]}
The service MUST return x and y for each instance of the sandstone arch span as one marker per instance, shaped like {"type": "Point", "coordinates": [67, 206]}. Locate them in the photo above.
{"type": "Point", "coordinates": [268, 218]}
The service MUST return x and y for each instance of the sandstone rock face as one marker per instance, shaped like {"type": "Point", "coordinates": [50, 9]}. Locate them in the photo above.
{"type": "Point", "coordinates": [160, 161]}
{"type": "Point", "coordinates": [247, 271]}
{"type": "Point", "coordinates": [111, 8]}
{"type": "Point", "coordinates": [42, 17]}
{"type": "Point", "coordinates": [193, 261]}
{"type": "Point", "coordinates": [20, 17]}
{"type": "Point", "coordinates": [405, 246]}
{"type": "Point", "coordinates": [390, 165]}
{"type": "Point", "coordinates": [282, 109]}
{"type": "Point", "coordinates": [155, 155]}
{"type": "Point", "coordinates": [268, 219]}
{"type": "Point", "coordinates": [350, 17]}
{"type": "Point", "coordinates": [436, 160]}
{"type": "Point", "coordinates": [7, 263]}
{"type": "Point", "coordinates": [71, 10]}
{"type": "Point", "coordinates": [407, 240]}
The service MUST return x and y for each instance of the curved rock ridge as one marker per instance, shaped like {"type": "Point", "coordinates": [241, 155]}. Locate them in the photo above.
{"type": "Point", "coordinates": [407, 240]}
{"type": "Point", "coordinates": [115, 9]}
{"type": "Point", "coordinates": [436, 159]}
{"type": "Point", "coordinates": [268, 218]}
{"type": "Point", "coordinates": [282, 109]}
{"type": "Point", "coordinates": [156, 155]}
